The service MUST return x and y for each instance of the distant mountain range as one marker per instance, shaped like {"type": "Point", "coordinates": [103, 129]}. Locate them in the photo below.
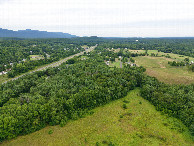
{"type": "Point", "coordinates": [28, 33]}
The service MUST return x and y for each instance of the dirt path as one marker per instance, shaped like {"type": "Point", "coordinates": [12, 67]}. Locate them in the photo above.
{"type": "Point", "coordinates": [54, 64]}
{"type": "Point", "coordinates": [161, 65]}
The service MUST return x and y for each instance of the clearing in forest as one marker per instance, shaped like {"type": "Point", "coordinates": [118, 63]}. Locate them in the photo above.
{"type": "Point", "coordinates": [131, 120]}
{"type": "Point", "coordinates": [116, 63]}
{"type": "Point", "coordinates": [137, 51]}
{"type": "Point", "coordinates": [158, 67]}
{"type": "Point", "coordinates": [36, 57]}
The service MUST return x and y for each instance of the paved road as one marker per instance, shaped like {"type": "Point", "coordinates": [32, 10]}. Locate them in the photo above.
{"type": "Point", "coordinates": [55, 63]}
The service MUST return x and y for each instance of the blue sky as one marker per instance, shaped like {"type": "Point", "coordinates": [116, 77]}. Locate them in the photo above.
{"type": "Point", "coordinates": [115, 18]}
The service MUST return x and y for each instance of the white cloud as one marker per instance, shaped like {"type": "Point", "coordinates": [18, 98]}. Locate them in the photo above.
{"type": "Point", "coordinates": [101, 17]}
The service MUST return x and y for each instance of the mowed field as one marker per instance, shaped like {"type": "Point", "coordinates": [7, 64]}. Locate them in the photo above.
{"type": "Point", "coordinates": [158, 67]}
{"type": "Point", "coordinates": [137, 124]}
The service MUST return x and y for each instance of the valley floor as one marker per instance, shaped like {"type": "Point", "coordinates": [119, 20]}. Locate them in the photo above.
{"type": "Point", "coordinates": [4, 78]}
{"type": "Point", "coordinates": [128, 121]}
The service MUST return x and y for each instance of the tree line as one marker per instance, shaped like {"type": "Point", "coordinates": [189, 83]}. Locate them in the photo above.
{"type": "Point", "coordinates": [58, 94]}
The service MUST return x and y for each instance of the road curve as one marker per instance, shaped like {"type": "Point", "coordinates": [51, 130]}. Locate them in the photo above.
{"type": "Point", "coordinates": [54, 64]}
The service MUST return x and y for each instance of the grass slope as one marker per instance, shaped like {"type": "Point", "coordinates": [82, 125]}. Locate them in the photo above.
{"type": "Point", "coordinates": [138, 124]}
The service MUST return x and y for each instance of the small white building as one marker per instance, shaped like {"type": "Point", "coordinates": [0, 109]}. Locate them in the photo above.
{"type": "Point", "coordinates": [107, 63]}
{"type": "Point", "coordinates": [133, 64]}
{"type": "Point", "coordinates": [3, 73]}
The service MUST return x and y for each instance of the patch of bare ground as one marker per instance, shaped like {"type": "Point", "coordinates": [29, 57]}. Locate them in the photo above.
{"type": "Point", "coordinates": [161, 65]}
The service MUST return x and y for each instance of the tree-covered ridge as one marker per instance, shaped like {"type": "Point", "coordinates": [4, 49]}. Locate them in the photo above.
{"type": "Point", "coordinates": [58, 94]}
{"type": "Point", "coordinates": [28, 33]}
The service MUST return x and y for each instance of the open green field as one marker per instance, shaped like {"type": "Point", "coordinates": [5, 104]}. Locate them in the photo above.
{"type": "Point", "coordinates": [36, 57]}
{"type": "Point", "coordinates": [138, 124]}
{"type": "Point", "coordinates": [159, 68]}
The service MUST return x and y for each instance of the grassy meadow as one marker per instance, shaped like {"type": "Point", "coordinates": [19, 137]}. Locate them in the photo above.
{"type": "Point", "coordinates": [158, 67]}
{"type": "Point", "coordinates": [128, 121]}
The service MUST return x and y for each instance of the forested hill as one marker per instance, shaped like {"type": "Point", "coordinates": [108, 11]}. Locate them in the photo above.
{"type": "Point", "coordinates": [28, 33]}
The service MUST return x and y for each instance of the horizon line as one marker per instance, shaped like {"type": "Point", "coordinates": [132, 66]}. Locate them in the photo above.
{"type": "Point", "coordinates": [95, 35]}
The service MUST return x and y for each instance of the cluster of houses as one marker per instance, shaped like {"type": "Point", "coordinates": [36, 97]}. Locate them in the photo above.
{"type": "Point", "coordinates": [6, 71]}
{"type": "Point", "coordinates": [3, 73]}
{"type": "Point", "coordinates": [131, 64]}
{"type": "Point", "coordinates": [120, 57]}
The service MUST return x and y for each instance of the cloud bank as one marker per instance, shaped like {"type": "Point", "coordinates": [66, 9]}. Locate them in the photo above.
{"type": "Point", "coordinates": [118, 18]}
